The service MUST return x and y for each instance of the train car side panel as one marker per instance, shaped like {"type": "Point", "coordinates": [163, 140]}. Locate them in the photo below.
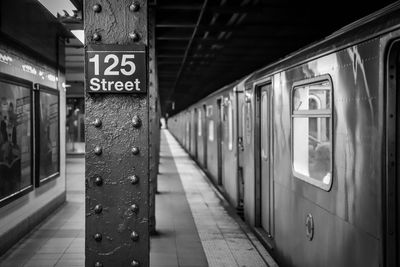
{"type": "Point", "coordinates": [345, 220]}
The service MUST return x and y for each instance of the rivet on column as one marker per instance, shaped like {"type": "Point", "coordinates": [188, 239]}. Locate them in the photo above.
{"type": "Point", "coordinates": [98, 237]}
{"type": "Point", "coordinates": [97, 8]}
{"type": "Point", "coordinates": [96, 37]}
{"type": "Point", "coordinates": [134, 36]}
{"type": "Point", "coordinates": [135, 150]}
{"type": "Point", "coordinates": [134, 179]}
{"type": "Point", "coordinates": [98, 180]}
{"type": "Point", "coordinates": [98, 209]}
{"type": "Point", "coordinates": [134, 7]}
{"type": "Point", "coordinates": [134, 236]}
{"type": "Point", "coordinates": [134, 208]}
{"type": "Point", "coordinates": [135, 263]}
{"type": "Point", "coordinates": [98, 150]}
{"type": "Point", "coordinates": [136, 122]}
{"type": "Point", "coordinates": [97, 123]}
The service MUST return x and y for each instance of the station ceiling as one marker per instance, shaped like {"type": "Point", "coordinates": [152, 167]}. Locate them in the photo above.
{"type": "Point", "coordinates": [202, 45]}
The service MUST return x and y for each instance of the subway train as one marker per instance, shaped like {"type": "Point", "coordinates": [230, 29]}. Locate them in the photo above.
{"type": "Point", "coordinates": [307, 149]}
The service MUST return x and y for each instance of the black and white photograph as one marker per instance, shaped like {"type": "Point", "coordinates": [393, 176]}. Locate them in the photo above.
{"type": "Point", "coordinates": [196, 133]}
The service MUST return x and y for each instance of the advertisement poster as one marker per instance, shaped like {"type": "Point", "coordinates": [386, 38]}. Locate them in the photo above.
{"type": "Point", "coordinates": [15, 139]}
{"type": "Point", "coordinates": [49, 135]}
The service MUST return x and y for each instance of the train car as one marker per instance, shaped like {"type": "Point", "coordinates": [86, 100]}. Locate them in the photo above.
{"type": "Point", "coordinates": [315, 143]}
{"type": "Point", "coordinates": [210, 137]}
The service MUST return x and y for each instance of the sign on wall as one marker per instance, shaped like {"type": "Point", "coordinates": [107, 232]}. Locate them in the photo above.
{"type": "Point", "coordinates": [116, 69]}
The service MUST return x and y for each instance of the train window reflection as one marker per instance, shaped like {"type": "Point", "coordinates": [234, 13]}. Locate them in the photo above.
{"type": "Point", "coordinates": [312, 154]}
{"type": "Point", "coordinates": [312, 97]}
{"type": "Point", "coordinates": [311, 136]}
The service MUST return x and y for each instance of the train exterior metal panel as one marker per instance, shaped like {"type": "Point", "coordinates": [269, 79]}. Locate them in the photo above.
{"type": "Point", "coordinates": [343, 215]}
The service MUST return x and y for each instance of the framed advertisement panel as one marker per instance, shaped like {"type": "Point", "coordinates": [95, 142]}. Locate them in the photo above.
{"type": "Point", "coordinates": [16, 138]}
{"type": "Point", "coordinates": [47, 132]}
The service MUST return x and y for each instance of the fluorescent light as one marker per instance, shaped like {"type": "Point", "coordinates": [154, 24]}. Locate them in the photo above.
{"type": "Point", "coordinates": [58, 6]}
{"type": "Point", "coordinates": [80, 35]}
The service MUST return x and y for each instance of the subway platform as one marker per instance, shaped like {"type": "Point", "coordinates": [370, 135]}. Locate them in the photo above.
{"type": "Point", "coordinates": [195, 224]}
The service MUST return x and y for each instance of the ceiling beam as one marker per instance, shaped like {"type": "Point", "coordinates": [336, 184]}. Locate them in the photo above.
{"type": "Point", "coordinates": [202, 11]}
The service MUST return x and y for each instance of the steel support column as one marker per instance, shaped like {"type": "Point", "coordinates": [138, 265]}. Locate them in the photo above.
{"type": "Point", "coordinates": [154, 121]}
{"type": "Point", "coordinates": [117, 147]}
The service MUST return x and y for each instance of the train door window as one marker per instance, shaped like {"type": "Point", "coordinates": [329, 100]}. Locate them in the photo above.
{"type": "Point", "coordinates": [230, 125]}
{"type": "Point", "coordinates": [199, 123]}
{"type": "Point", "coordinates": [247, 131]}
{"type": "Point", "coordinates": [209, 111]}
{"type": "Point", "coordinates": [187, 131]}
{"type": "Point", "coordinates": [15, 140]}
{"type": "Point", "coordinates": [312, 131]}
{"type": "Point", "coordinates": [243, 120]}
{"type": "Point", "coordinates": [49, 135]}
{"type": "Point", "coordinates": [264, 125]}
{"type": "Point", "coordinates": [211, 130]}
{"type": "Point", "coordinates": [205, 136]}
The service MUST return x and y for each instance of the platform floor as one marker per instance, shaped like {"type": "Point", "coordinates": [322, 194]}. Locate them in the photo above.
{"type": "Point", "coordinates": [195, 225]}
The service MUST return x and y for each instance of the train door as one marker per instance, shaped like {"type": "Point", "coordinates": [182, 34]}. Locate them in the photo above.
{"type": "Point", "coordinates": [219, 138]}
{"type": "Point", "coordinates": [205, 136]}
{"type": "Point", "coordinates": [391, 197]}
{"type": "Point", "coordinates": [240, 122]}
{"type": "Point", "coordinates": [263, 159]}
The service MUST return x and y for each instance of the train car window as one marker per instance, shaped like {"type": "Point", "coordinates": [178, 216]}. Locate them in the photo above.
{"type": "Point", "coordinates": [312, 136]}
{"type": "Point", "coordinates": [211, 130]}
{"type": "Point", "coordinates": [199, 124]}
{"type": "Point", "coordinates": [209, 111]}
{"type": "Point", "coordinates": [15, 139]}
{"type": "Point", "coordinates": [230, 125]}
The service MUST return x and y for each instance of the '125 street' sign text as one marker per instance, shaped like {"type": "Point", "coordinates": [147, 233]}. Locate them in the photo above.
{"type": "Point", "coordinates": [116, 69]}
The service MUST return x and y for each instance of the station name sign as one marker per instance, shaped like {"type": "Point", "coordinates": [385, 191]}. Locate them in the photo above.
{"type": "Point", "coordinates": [116, 69]}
